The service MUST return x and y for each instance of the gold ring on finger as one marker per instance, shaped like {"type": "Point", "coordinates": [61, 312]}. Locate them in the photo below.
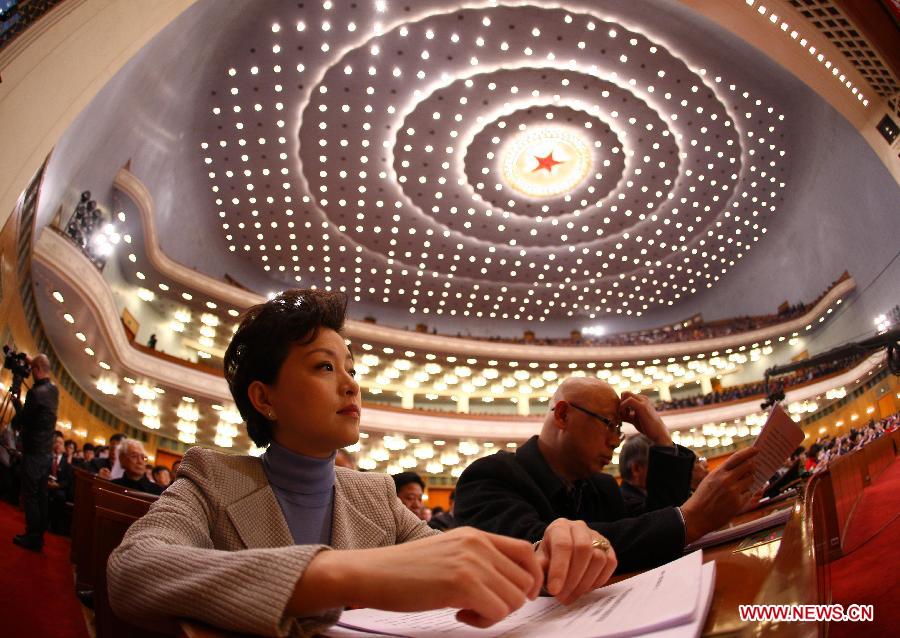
{"type": "Point", "coordinates": [601, 543]}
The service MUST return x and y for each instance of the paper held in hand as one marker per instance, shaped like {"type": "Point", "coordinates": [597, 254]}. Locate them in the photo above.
{"type": "Point", "coordinates": [671, 601]}
{"type": "Point", "coordinates": [778, 439]}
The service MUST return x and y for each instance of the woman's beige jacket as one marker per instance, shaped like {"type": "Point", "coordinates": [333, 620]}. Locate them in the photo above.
{"type": "Point", "coordinates": [216, 546]}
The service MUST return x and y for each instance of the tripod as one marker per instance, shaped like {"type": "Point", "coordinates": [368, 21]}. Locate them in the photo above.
{"type": "Point", "coordinates": [11, 401]}
{"type": "Point", "coordinates": [9, 471]}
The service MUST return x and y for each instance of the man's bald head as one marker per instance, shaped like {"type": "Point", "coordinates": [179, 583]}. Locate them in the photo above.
{"type": "Point", "coordinates": [587, 391]}
{"type": "Point", "coordinates": [576, 443]}
{"type": "Point", "coordinates": [40, 366]}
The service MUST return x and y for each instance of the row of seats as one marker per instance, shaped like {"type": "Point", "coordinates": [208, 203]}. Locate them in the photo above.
{"type": "Point", "coordinates": [103, 513]}
{"type": "Point", "coordinates": [832, 496]}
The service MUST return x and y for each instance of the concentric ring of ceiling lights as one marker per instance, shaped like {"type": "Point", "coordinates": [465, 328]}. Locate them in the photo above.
{"type": "Point", "coordinates": [404, 197]}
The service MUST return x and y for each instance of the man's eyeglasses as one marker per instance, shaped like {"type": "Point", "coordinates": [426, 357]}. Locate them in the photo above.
{"type": "Point", "coordinates": [615, 428]}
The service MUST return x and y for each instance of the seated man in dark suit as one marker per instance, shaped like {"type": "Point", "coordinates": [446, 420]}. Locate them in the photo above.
{"type": "Point", "coordinates": [444, 520]}
{"type": "Point", "coordinates": [60, 487]}
{"type": "Point", "coordinates": [559, 475]}
{"type": "Point", "coordinates": [87, 458]}
{"type": "Point", "coordinates": [109, 467]}
{"type": "Point", "coordinates": [634, 463]}
{"type": "Point", "coordinates": [133, 460]}
{"type": "Point", "coordinates": [786, 475]}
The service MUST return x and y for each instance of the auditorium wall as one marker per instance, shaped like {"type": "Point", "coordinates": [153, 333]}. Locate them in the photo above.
{"type": "Point", "coordinates": [53, 70]}
{"type": "Point", "coordinates": [75, 407]}
{"type": "Point", "coordinates": [879, 400]}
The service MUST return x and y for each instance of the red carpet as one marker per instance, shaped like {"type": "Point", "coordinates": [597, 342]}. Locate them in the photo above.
{"type": "Point", "coordinates": [870, 573]}
{"type": "Point", "coordinates": [38, 599]}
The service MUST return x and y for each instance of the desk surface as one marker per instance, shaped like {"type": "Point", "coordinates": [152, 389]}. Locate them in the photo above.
{"type": "Point", "coordinates": [781, 571]}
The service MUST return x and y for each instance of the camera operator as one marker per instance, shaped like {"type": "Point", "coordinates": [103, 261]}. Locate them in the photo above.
{"type": "Point", "coordinates": [36, 423]}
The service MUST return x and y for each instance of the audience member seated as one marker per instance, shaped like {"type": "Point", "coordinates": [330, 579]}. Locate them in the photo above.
{"type": "Point", "coordinates": [133, 460]}
{"type": "Point", "coordinates": [812, 457]}
{"type": "Point", "coordinates": [87, 457]}
{"type": "Point", "coordinates": [758, 388]}
{"type": "Point", "coordinates": [693, 331]}
{"type": "Point", "coordinates": [633, 466]}
{"type": "Point", "coordinates": [84, 459]}
{"type": "Point", "coordinates": [109, 466]}
{"type": "Point", "coordinates": [792, 470]}
{"type": "Point", "coordinates": [280, 544]}
{"type": "Point", "coordinates": [755, 389]}
{"type": "Point", "coordinates": [71, 451]}
{"type": "Point", "coordinates": [444, 520]}
{"type": "Point", "coordinates": [831, 448]}
{"type": "Point", "coordinates": [60, 487]}
{"type": "Point", "coordinates": [559, 475]}
{"type": "Point", "coordinates": [162, 476]}
{"type": "Point", "coordinates": [101, 453]}
{"type": "Point", "coordinates": [410, 489]}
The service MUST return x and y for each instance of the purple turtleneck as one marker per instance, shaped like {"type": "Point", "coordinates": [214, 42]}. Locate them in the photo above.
{"type": "Point", "coordinates": [304, 487]}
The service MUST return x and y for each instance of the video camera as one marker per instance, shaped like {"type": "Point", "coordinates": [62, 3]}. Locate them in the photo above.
{"type": "Point", "coordinates": [18, 364]}
{"type": "Point", "coordinates": [776, 395]}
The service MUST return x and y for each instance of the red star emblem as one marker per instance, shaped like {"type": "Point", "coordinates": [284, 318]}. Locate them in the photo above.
{"type": "Point", "coordinates": [547, 162]}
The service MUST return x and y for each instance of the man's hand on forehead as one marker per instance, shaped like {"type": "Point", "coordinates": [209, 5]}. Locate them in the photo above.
{"type": "Point", "coordinates": [638, 410]}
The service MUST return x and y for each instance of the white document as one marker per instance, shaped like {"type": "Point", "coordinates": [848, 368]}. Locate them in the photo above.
{"type": "Point", "coordinates": [778, 439]}
{"type": "Point", "coordinates": [727, 534]}
{"type": "Point", "coordinates": [668, 596]}
{"type": "Point", "coordinates": [695, 627]}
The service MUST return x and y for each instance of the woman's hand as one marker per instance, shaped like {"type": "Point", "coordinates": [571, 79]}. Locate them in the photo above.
{"type": "Point", "coordinates": [485, 576]}
{"type": "Point", "coordinates": [574, 565]}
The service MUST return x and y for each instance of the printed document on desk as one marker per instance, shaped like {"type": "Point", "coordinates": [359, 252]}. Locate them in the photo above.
{"type": "Point", "coordinates": [727, 534]}
{"type": "Point", "coordinates": [778, 439]}
{"type": "Point", "coordinates": [694, 628]}
{"type": "Point", "coordinates": [673, 595]}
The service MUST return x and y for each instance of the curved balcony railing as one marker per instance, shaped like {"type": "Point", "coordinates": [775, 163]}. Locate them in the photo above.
{"type": "Point", "coordinates": [128, 184]}
{"type": "Point", "coordinates": [63, 262]}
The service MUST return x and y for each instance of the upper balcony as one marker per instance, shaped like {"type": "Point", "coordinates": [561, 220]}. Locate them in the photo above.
{"type": "Point", "coordinates": [94, 336]}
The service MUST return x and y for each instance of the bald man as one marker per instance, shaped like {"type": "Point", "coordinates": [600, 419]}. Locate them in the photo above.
{"type": "Point", "coordinates": [559, 475]}
{"type": "Point", "coordinates": [36, 421]}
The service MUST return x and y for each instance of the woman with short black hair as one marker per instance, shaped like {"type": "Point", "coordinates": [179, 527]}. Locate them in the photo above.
{"type": "Point", "coordinates": [243, 543]}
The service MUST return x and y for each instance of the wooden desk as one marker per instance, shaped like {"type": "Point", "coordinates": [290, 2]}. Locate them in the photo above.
{"type": "Point", "coordinates": [779, 572]}
{"type": "Point", "coordinates": [790, 571]}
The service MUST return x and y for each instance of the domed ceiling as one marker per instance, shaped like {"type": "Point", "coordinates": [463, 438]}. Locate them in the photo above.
{"type": "Point", "coordinates": [439, 161]}
{"type": "Point", "coordinates": [501, 162]}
